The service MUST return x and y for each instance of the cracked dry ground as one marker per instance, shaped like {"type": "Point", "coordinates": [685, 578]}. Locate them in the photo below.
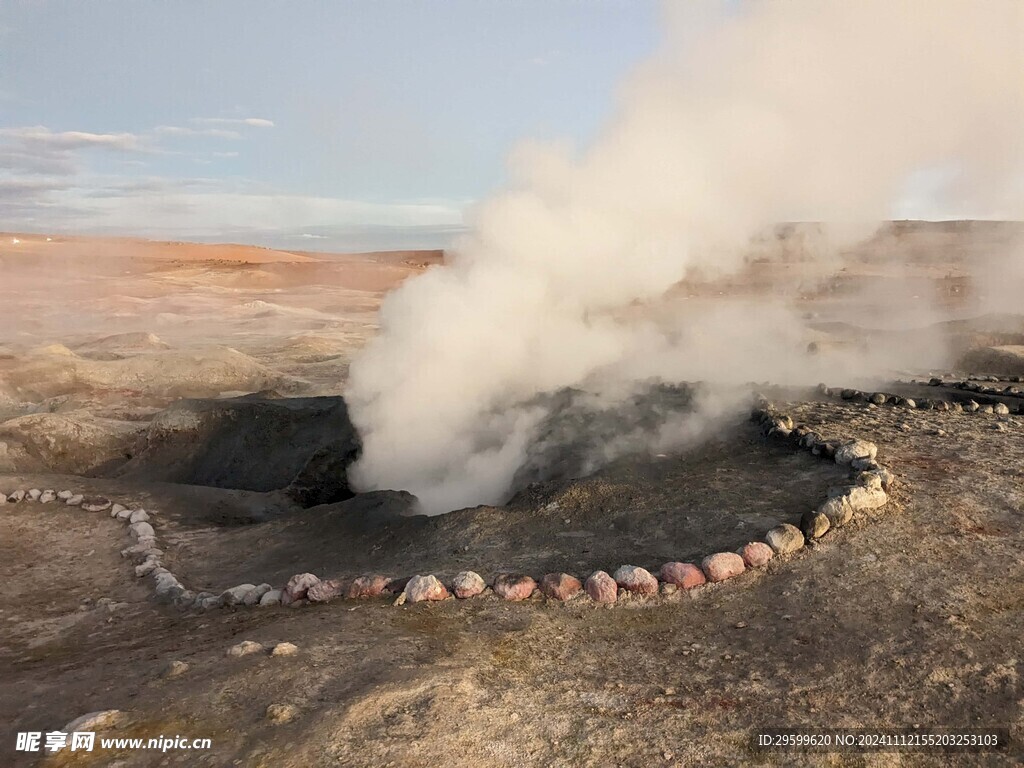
{"type": "Point", "coordinates": [909, 615]}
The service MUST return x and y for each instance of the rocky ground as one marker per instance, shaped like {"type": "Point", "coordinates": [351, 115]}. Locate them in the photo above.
{"type": "Point", "coordinates": [911, 614]}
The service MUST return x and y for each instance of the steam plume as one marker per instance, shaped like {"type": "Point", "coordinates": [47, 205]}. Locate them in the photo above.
{"type": "Point", "coordinates": [778, 111]}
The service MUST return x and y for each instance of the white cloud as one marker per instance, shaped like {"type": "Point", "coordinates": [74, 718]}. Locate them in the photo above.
{"type": "Point", "coordinates": [177, 130]}
{"type": "Point", "coordinates": [252, 122]}
{"type": "Point", "coordinates": [43, 137]}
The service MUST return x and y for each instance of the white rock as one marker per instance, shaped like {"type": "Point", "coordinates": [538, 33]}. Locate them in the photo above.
{"type": "Point", "coordinates": [236, 595]}
{"type": "Point", "coordinates": [75, 500]}
{"type": "Point", "coordinates": [855, 449]}
{"type": "Point", "coordinates": [142, 531]}
{"type": "Point", "coordinates": [65, 495]}
{"type": "Point", "coordinates": [254, 597]}
{"type": "Point", "coordinates": [95, 721]}
{"type": "Point", "coordinates": [285, 649]}
{"type": "Point", "coordinates": [47, 496]}
{"type": "Point", "coordinates": [245, 648]}
{"type": "Point", "coordinates": [115, 508]}
{"type": "Point", "coordinates": [273, 597]}
{"type": "Point", "coordinates": [34, 494]}
{"type": "Point", "coordinates": [138, 516]}
{"type": "Point", "coordinates": [147, 567]}
{"type": "Point", "coordinates": [124, 514]}
{"type": "Point", "coordinates": [16, 496]}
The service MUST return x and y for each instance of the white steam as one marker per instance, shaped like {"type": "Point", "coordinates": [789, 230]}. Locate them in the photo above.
{"type": "Point", "coordinates": [780, 111]}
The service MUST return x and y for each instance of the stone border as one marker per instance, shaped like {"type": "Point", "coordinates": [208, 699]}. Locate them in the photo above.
{"type": "Point", "coordinates": [925, 404]}
{"type": "Point", "coordinates": [867, 490]}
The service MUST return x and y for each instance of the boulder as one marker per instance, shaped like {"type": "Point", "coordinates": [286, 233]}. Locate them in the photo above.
{"type": "Point", "coordinates": [421, 588]}
{"type": "Point", "coordinates": [814, 524]}
{"type": "Point", "coordinates": [637, 580]}
{"type": "Point", "coordinates": [467, 584]}
{"type": "Point", "coordinates": [297, 587]}
{"type": "Point", "coordinates": [237, 595]}
{"type": "Point", "coordinates": [367, 586]}
{"type": "Point", "coordinates": [1001, 409]}
{"type": "Point", "coordinates": [325, 591]}
{"type": "Point", "coordinates": [271, 597]}
{"type": "Point", "coordinates": [560, 586]}
{"type": "Point", "coordinates": [513, 586]}
{"type": "Point", "coordinates": [47, 496]}
{"type": "Point", "coordinates": [285, 649]}
{"type": "Point", "coordinates": [279, 714]}
{"type": "Point", "coordinates": [722, 565]}
{"type": "Point", "coordinates": [33, 494]}
{"type": "Point", "coordinates": [601, 587]}
{"type": "Point", "coordinates": [102, 720]}
{"type": "Point", "coordinates": [254, 597]}
{"type": "Point", "coordinates": [142, 531]}
{"type": "Point", "coordinates": [785, 538]}
{"type": "Point", "coordinates": [138, 516]}
{"type": "Point", "coordinates": [16, 496]}
{"type": "Point", "coordinates": [76, 500]}
{"type": "Point", "coordinates": [855, 449]}
{"type": "Point", "coordinates": [682, 575]}
{"type": "Point", "coordinates": [245, 648]}
{"type": "Point", "coordinates": [756, 554]}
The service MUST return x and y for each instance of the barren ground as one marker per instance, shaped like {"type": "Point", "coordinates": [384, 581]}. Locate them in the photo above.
{"type": "Point", "coordinates": [908, 615]}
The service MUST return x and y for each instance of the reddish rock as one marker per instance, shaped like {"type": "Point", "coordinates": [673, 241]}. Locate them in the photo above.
{"type": "Point", "coordinates": [325, 591]}
{"type": "Point", "coordinates": [756, 554]}
{"type": "Point", "coordinates": [367, 586]}
{"type": "Point", "coordinates": [467, 584]}
{"type": "Point", "coordinates": [601, 587]}
{"type": "Point", "coordinates": [683, 575]}
{"type": "Point", "coordinates": [560, 586]}
{"type": "Point", "coordinates": [637, 580]}
{"type": "Point", "coordinates": [514, 586]}
{"type": "Point", "coordinates": [297, 587]}
{"type": "Point", "coordinates": [722, 565]}
{"type": "Point", "coordinates": [422, 588]}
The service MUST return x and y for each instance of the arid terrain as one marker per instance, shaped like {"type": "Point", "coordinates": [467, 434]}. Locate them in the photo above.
{"type": "Point", "coordinates": [205, 384]}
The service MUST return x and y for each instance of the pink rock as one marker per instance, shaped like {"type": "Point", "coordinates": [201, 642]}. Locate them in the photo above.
{"type": "Point", "coordinates": [601, 587]}
{"type": "Point", "coordinates": [325, 591]}
{"type": "Point", "coordinates": [559, 586]}
{"type": "Point", "coordinates": [422, 588]}
{"type": "Point", "coordinates": [756, 554]}
{"type": "Point", "coordinates": [637, 580]}
{"type": "Point", "coordinates": [722, 565]}
{"type": "Point", "coordinates": [297, 587]}
{"type": "Point", "coordinates": [513, 586]}
{"type": "Point", "coordinates": [367, 586]}
{"type": "Point", "coordinates": [467, 584]}
{"type": "Point", "coordinates": [683, 575]}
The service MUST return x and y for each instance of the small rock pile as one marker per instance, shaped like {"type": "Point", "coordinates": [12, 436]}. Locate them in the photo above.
{"type": "Point", "coordinates": [928, 404]}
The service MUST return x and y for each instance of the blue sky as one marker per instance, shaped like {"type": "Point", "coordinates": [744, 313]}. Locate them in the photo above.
{"type": "Point", "coordinates": [314, 125]}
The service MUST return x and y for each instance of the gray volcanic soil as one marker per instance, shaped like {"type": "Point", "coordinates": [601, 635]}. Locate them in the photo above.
{"type": "Point", "coordinates": [908, 615]}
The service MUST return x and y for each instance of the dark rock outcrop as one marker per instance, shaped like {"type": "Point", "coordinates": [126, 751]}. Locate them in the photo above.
{"type": "Point", "coordinates": [301, 445]}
